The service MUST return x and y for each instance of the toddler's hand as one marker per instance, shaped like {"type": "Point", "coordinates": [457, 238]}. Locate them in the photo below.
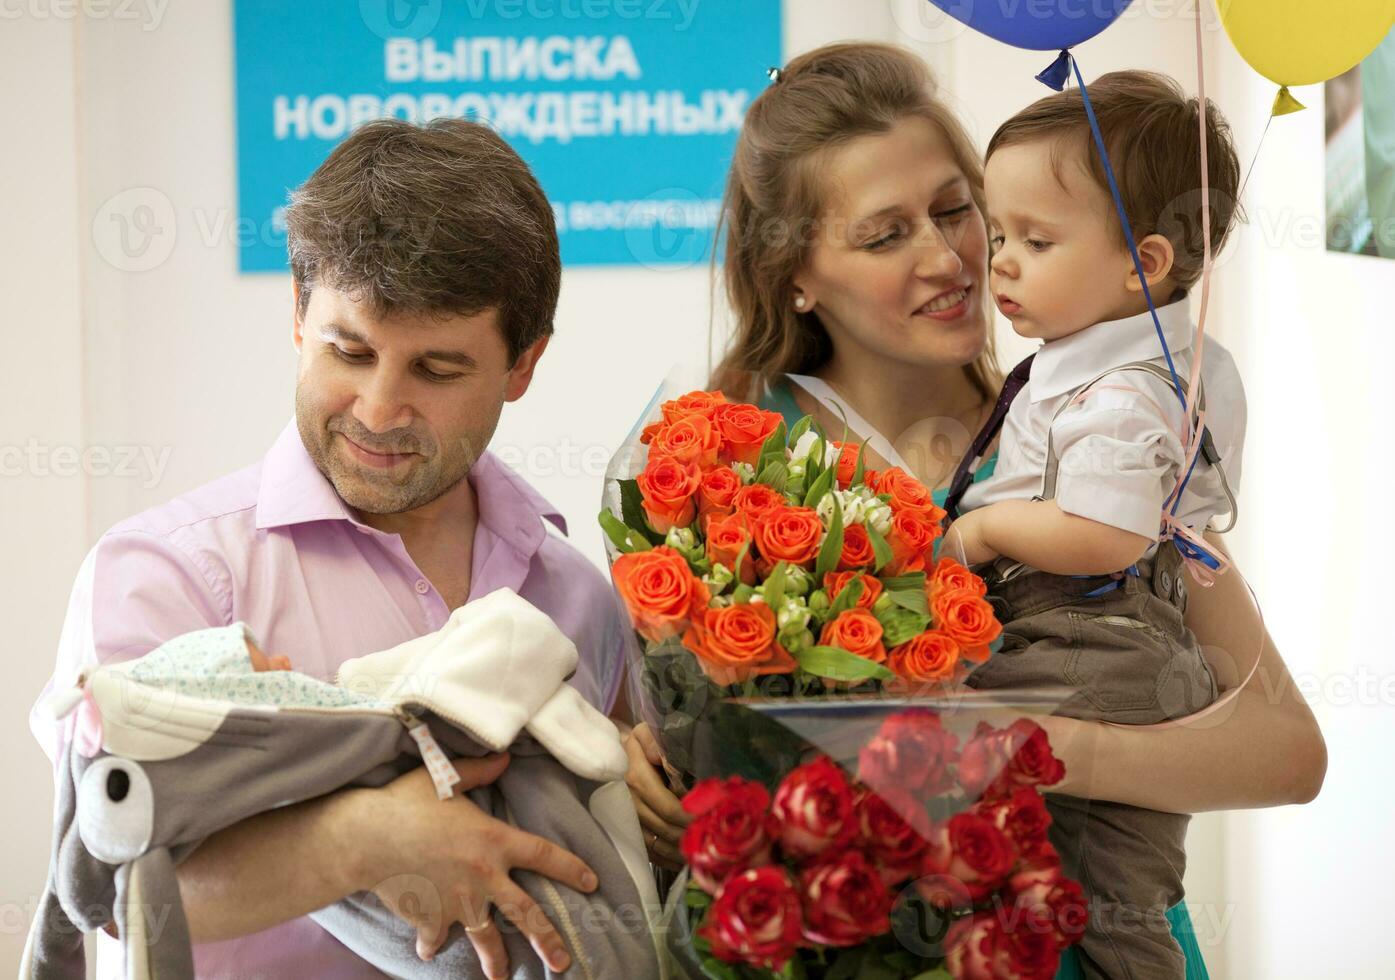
{"type": "Point", "coordinates": [964, 541]}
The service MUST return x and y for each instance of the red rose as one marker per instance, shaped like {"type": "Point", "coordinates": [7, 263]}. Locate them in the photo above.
{"type": "Point", "coordinates": [857, 549]}
{"type": "Point", "coordinates": [744, 430]}
{"type": "Point", "coordinates": [965, 615]}
{"type": "Point", "coordinates": [667, 487]}
{"type": "Point", "coordinates": [856, 631]}
{"type": "Point", "coordinates": [660, 591]}
{"type": "Point", "coordinates": [979, 947]}
{"type": "Point", "coordinates": [717, 491]}
{"type": "Point", "coordinates": [971, 852]}
{"type": "Point", "coordinates": [912, 539]}
{"type": "Point", "coordinates": [834, 582]}
{"type": "Point", "coordinates": [703, 403]}
{"type": "Point", "coordinates": [755, 919]}
{"type": "Point", "coordinates": [731, 832]}
{"type": "Point", "coordinates": [1045, 896]}
{"type": "Point", "coordinates": [1022, 816]}
{"type": "Point", "coordinates": [813, 810]}
{"type": "Point", "coordinates": [788, 534]}
{"type": "Point", "coordinates": [845, 902]}
{"type": "Point", "coordinates": [726, 538]}
{"type": "Point", "coordinates": [995, 761]}
{"type": "Point", "coordinates": [911, 751]}
{"type": "Point", "coordinates": [891, 828]}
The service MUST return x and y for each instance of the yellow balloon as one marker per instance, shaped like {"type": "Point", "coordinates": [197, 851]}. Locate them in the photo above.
{"type": "Point", "coordinates": [1302, 42]}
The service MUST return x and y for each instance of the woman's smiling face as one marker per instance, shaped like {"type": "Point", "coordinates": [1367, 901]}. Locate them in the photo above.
{"type": "Point", "coordinates": [901, 254]}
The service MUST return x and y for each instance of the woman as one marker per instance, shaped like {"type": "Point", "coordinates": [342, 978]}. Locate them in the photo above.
{"type": "Point", "coordinates": [857, 252]}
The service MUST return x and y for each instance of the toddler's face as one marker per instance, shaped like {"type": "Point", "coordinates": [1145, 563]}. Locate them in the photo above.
{"type": "Point", "coordinates": [1057, 264]}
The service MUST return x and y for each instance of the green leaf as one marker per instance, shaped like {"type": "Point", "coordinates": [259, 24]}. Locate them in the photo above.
{"type": "Point", "coordinates": [776, 474]}
{"type": "Point", "coordinates": [775, 587]}
{"type": "Point", "coordinates": [774, 448]}
{"type": "Point", "coordinates": [911, 580]}
{"type": "Point", "coordinates": [912, 599]}
{"type": "Point", "coordinates": [832, 548]}
{"type": "Point", "coordinates": [879, 546]}
{"type": "Point", "coordinates": [742, 594]}
{"type": "Point", "coordinates": [717, 970]}
{"type": "Point", "coordinates": [840, 665]}
{"type": "Point", "coordinates": [939, 973]}
{"type": "Point", "coordinates": [626, 539]}
{"type": "Point", "coordinates": [900, 625]}
{"type": "Point", "coordinates": [848, 965]}
{"type": "Point", "coordinates": [819, 488]}
{"type": "Point", "coordinates": [860, 469]}
{"type": "Point", "coordinates": [847, 598]}
{"type": "Point", "coordinates": [632, 511]}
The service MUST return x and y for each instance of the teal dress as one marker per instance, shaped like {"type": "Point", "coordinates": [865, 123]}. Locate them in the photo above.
{"type": "Point", "coordinates": [781, 400]}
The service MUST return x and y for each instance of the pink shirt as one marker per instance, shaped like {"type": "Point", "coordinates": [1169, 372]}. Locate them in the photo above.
{"type": "Point", "coordinates": [274, 546]}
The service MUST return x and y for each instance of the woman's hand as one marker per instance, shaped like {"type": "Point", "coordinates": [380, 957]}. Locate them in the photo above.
{"type": "Point", "coordinates": [660, 813]}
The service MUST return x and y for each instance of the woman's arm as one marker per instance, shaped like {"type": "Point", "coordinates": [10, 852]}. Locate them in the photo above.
{"type": "Point", "coordinates": [1262, 749]}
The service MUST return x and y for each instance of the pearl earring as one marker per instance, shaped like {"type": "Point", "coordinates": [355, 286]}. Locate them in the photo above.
{"type": "Point", "coordinates": [799, 302]}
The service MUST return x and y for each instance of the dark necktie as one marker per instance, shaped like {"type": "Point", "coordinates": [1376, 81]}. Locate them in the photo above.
{"type": "Point", "coordinates": [964, 476]}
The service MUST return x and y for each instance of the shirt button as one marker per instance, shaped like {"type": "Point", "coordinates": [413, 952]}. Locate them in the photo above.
{"type": "Point", "coordinates": [422, 586]}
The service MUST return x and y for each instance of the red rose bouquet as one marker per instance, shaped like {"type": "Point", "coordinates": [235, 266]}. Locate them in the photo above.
{"type": "Point", "coordinates": [934, 862]}
{"type": "Point", "coordinates": [757, 562]}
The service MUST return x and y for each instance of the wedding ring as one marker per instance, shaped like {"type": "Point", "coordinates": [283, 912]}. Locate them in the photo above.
{"type": "Point", "coordinates": [653, 839]}
{"type": "Point", "coordinates": [486, 924]}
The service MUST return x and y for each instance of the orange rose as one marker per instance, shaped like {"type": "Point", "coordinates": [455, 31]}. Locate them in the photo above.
{"type": "Point", "coordinates": [735, 643]}
{"type": "Point", "coordinates": [948, 574]}
{"type": "Point", "coordinates": [703, 403]}
{"type": "Point", "coordinates": [651, 431]}
{"type": "Point", "coordinates": [931, 657]}
{"type": "Point", "coordinates": [756, 501]}
{"type": "Point", "coordinates": [718, 490]}
{"type": "Point", "coordinates": [726, 536]}
{"type": "Point", "coordinates": [969, 619]}
{"type": "Point", "coordinates": [872, 480]}
{"type": "Point", "coordinates": [857, 549]}
{"type": "Point", "coordinates": [660, 591]}
{"type": "Point", "coordinates": [788, 534]}
{"type": "Point", "coordinates": [856, 631]}
{"type": "Point", "coordinates": [912, 540]}
{"type": "Point", "coordinates": [689, 440]}
{"type": "Point", "coordinates": [668, 487]}
{"type": "Point", "coordinates": [744, 429]}
{"type": "Point", "coordinates": [847, 462]}
{"type": "Point", "coordinates": [835, 582]}
{"type": "Point", "coordinates": [908, 493]}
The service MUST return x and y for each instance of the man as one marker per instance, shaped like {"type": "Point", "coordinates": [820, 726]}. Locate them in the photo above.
{"type": "Point", "coordinates": [425, 270]}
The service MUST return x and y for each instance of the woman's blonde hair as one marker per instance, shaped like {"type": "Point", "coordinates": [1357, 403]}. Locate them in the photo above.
{"type": "Point", "coordinates": [822, 99]}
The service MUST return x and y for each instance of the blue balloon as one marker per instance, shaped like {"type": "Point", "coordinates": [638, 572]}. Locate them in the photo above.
{"type": "Point", "coordinates": [1039, 25]}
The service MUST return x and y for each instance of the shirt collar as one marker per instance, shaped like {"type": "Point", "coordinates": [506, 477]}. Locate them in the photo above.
{"type": "Point", "coordinates": [1066, 364]}
{"type": "Point", "coordinates": [294, 491]}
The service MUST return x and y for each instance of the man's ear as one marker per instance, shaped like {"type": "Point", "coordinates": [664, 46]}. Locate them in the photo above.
{"type": "Point", "coordinates": [295, 315]}
{"type": "Point", "coordinates": [1157, 256]}
{"type": "Point", "coordinates": [521, 374]}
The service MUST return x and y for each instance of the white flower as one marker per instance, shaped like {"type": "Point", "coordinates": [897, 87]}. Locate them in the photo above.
{"type": "Point", "coordinates": [793, 612]}
{"type": "Point", "coordinates": [806, 444]}
{"type": "Point", "coordinates": [745, 472]}
{"type": "Point", "coordinates": [680, 539]}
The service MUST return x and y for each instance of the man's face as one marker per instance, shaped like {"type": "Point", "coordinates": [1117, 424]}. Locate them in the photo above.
{"type": "Point", "coordinates": [395, 411]}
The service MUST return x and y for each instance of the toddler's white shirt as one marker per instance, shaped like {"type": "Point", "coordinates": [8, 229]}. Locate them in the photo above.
{"type": "Point", "coordinates": [1120, 446]}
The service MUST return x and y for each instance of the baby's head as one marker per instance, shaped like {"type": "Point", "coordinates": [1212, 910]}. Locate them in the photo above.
{"type": "Point", "coordinates": [1060, 260]}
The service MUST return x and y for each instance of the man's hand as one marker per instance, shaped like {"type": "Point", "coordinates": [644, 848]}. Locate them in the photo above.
{"type": "Point", "coordinates": [435, 862]}
{"type": "Point", "coordinates": [660, 812]}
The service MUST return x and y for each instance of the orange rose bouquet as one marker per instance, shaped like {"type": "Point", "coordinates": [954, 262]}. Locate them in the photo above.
{"type": "Point", "coordinates": [759, 561]}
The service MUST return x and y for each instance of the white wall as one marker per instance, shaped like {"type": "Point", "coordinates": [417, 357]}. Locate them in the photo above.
{"type": "Point", "coordinates": [192, 365]}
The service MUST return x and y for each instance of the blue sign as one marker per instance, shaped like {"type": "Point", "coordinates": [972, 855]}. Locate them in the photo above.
{"type": "Point", "coordinates": [627, 110]}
